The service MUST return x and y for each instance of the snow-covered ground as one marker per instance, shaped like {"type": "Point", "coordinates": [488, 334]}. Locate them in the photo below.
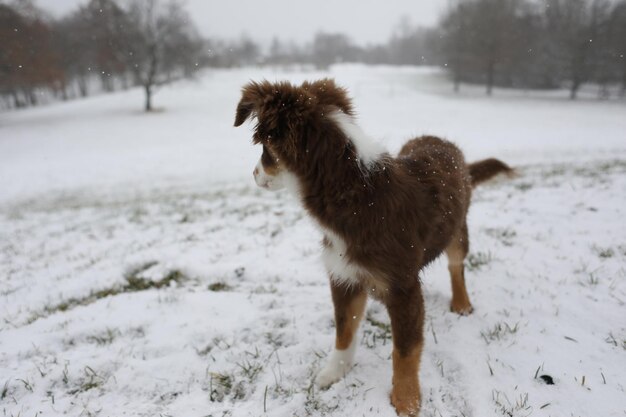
{"type": "Point", "coordinates": [142, 273]}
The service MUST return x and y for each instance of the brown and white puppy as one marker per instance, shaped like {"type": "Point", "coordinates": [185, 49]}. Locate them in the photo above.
{"type": "Point", "coordinates": [383, 218]}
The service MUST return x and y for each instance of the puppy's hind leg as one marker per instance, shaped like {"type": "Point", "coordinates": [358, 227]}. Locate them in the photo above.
{"type": "Point", "coordinates": [406, 310]}
{"type": "Point", "coordinates": [349, 305]}
{"type": "Point", "coordinates": [456, 252]}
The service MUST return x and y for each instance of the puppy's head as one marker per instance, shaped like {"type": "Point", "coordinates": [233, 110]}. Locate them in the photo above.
{"type": "Point", "coordinates": [288, 123]}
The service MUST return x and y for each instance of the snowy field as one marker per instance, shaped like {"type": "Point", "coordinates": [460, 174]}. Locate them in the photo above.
{"type": "Point", "coordinates": [143, 274]}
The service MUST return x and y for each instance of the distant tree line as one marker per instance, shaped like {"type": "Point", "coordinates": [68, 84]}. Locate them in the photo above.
{"type": "Point", "coordinates": [529, 44]}
{"type": "Point", "coordinates": [107, 45]}
{"type": "Point", "coordinates": [99, 47]}
{"type": "Point", "coordinates": [507, 43]}
{"type": "Point", "coordinates": [102, 46]}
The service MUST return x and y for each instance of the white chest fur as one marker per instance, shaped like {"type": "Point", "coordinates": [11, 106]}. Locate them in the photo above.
{"type": "Point", "coordinates": [341, 269]}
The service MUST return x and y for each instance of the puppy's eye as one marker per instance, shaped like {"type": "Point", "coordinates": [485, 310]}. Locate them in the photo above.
{"type": "Point", "coordinates": [266, 158]}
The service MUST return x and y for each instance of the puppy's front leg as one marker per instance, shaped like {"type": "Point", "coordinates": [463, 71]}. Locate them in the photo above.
{"type": "Point", "coordinates": [349, 305]}
{"type": "Point", "coordinates": [406, 310]}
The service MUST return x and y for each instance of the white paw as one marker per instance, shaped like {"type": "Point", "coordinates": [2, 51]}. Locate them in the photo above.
{"type": "Point", "coordinates": [338, 365]}
{"type": "Point", "coordinates": [332, 372]}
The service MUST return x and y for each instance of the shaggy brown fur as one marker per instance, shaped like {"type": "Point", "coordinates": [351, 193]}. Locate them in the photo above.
{"type": "Point", "coordinates": [394, 215]}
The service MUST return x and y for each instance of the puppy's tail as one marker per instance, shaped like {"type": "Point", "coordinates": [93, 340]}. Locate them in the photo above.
{"type": "Point", "coordinates": [486, 169]}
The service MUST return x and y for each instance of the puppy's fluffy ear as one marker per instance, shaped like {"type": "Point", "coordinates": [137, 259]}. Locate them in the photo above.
{"type": "Point", "coordinates": [329, 94]}
{"type": "Point", "coordinates": [251, 98]}
{"type": "Point", "coordinates": [244, 109]}
{"type": "Point", "coordinates": [278, 106]}
{"type": "Point", "coordinates": [253, 95]}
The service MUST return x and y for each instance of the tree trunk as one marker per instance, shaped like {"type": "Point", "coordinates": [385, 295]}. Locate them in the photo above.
{"type": "Point", "coordinates": [62, 88]}
{"type": "Point", "coordinates": [151, 78]}
{"type": "Point", "coordinates": [107, 82]}
{"type": "Point", "coordinates": [16, 100]}
{"type": "Point", "coordinates": [32, 97]}
{"type": "Point", "coordinates": [148, 88]}
{"type": "Point", "coordinates": [82, 86]}
{"type": "Point", "coordinates": [574, 89]}
{"type": "Point", "coordinates": [457, 78]}
{"type": "Point", "coordinates": [104, 82]}
{"type": "Point", "coordinates": [603, 92]}
{"type": "Point", "coordinates": [124, 80]}
{"type": "Point", "coordinates": [7, 104]}
{"type": "Point", "coordinates": [490, 77]}
{"type": "Point", "coordinates": [623, 92]}
{"type": "Point", "coordinates": [579, 72]}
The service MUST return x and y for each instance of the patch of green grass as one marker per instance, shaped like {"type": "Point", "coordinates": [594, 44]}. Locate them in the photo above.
{"type": "Point", "coordinates": [66, 377]}
{"type": "Point", "coordinates": [592, 280]}
{"type": "Point", "coordinates": [314, 404]}
{"type": "Point", "coordinates": [499, 331]}
{"type": "Point", "coordinates": [524, 186]}
{"type": "Point", "coordinates": [279, 391]}
{"type": "Point", "coordinates": [90, 381]}
{"type": "Point", "coordinates": [380, 333]}
{"type": "Point", "coordinates": [263, 289]}
{"type": "Point", "coordinates": [505, 235]}
{"type": "Point", "coordinates": [142, 284]}
{"type": "Point", "coordinates": [224, 385]}
{"type": "Point", "coordinates": [219, 286]}
{"type": "Point", "coordinates": [614, 341]}
{"type": "Point", "coordinates": [134, 283]}
{"type": "Point", "coordinates": [217, 342]}
{"type": "Point", "coordinates": [477, 260]}
{"type": "Point", "coordinates": [5, 390]}
{"type": "Point", "coordinates": [105, 338]}
{"type": "Point", "coordinates": [137, 270]}
{"type": "Point", "coordinates": [168, 397]}
{"type": "Point", "coordinates": [604, 253]}
{"type": "Point", "coordinates": [250, 369]}
{"type": "Point", "coordinates": [220, 343]}
{"type": "Point", "coordinates": [205, 350]}
{"type": "Point", "coordinates": [274, 339]}
{"type": "Point", "coordinates": [510, 409]}
{"type": "Point", "coordinates": [238, 383]}
{"type": "Point", "coordinates": [589, 278]}
{"type": "Point", "coordinates": [88, 385]}
{"type": "Point", "coordinates": [27, 384]}
{"type": "Point", "coordinates": [386, 327]}
{"type": "Point", "coordinates": [220, 386]}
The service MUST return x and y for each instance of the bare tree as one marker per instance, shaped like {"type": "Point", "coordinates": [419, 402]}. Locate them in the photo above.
{"type": "Point", "coordinates": [603, 52]}
{"type": "Point", "coordinates": [455, 37]}
{"type": "Point", "coordinates": [28, 63]}
{"type": "Point", "coordinates": [493, 26]}
{"type": "Point", "coordinates": [571, 23]}
{"type": "Point", "coordinates": [618, 43]}
{"type": "Point", "coordinates": [162, 44]}
{"type": "Point", "coordinates": [278, 53]}
{"type": "Point", "coordinates": [410, 45]}
{"type": "Point", "coordinates": [74, 40]}
{"type": "Point", "coordinates": [329, 48]}
{"type": "Point", "coordinates": [108, 26]}
{"type": "Point", "coordinates": [481, 41]}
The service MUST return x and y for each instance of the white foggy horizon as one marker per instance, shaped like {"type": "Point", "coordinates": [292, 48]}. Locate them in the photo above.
{"type": "Point", "coordinates": [364, 22]}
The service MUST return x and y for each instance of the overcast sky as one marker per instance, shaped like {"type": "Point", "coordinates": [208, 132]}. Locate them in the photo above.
{"type": "Point", "coordinates": [365, 21]}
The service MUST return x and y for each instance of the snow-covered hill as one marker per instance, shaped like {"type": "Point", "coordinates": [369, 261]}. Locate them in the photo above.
{"type": "Point", "coordinates": [142, 273]}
